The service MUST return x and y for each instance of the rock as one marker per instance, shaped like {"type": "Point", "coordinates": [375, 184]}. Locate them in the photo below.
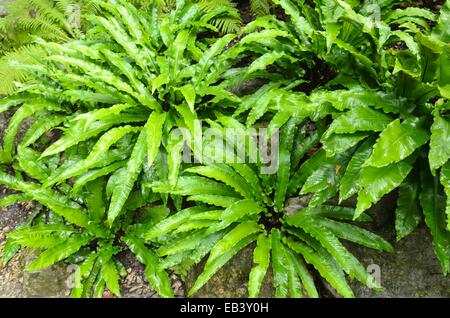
{"type": "Point", "coordinates": [3, 12]}
{"type": "Point", "coordinates": [47, 283]}
{"type": "Point", "coordinates": [411, 271]}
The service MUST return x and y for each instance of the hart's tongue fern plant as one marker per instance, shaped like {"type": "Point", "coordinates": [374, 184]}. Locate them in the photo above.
{"type": "Point", "coordinates": [139, 76]}
{"type": "Point", "coordinates": [117, 94]}
{"type": "Point", "coordinates": [388, 98]}
{"type": "Point", "coordinates": [236, 205]}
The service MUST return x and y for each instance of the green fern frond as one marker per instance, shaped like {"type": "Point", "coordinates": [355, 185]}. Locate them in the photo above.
{"type": "Point", "coordinates": [227, 22]}
{"type": "Point", "coordinates": [260, 7]}
{"type": "Point", "coordinates": [9, 73]}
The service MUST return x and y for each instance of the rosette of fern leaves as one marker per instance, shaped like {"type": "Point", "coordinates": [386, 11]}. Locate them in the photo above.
{"type": "Point", "coordinates": [132, 74]}
{"type": "Point", "coordinates": [116, 94]}
{"type": "Point", "coordinates": [405, 147]}
{"type": "Point", "coordinates": [388, 96]}
{"type": "Point", "coordinates": [232, 205]}
{"type": "Point", "coordinates": [75, 232]}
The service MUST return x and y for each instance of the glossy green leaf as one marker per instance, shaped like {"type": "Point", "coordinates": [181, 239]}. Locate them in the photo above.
{"type": "Point", "coordinates": [111, 277]}
{"type": "Point", "coordinates": [376, 182]}
{"type": "Point", "coordinates": [280, 266]}
{"type": "Point", "coordinates": [432, 201]}
{"type": "Point", "coordinates": [127, 178]}
{"type": "Point", "coordinates": [445, 181]}
{"type": "Point", "coordinates": [439, 142]}
{"type": "Point", "coordinates": [261, 259]}
{"type": "Point", "coordinates": [408, 213]}
{"type": "Point", "coordinates": [397, 141]}
{"type": "Point", "coordinates": [358, 119]}
{"type": "Point", "coordinates": [157, 276]}
{"type": "Point", "coordinates": [322, 261]}
{"type": "Point", "coordinates": [234, 241]}
{"type": "Point", "coordinates": [58, 252]}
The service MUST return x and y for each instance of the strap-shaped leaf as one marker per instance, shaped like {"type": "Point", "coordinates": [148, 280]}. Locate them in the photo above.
{"type": "Point", "coordinates": [335, 212]}
{"type": "Point", "coordinates": [56, 202]}
{"type": "Point", "coordinates": [157, 276]}
{"type": "Point", "coordinates": [445, 181]}
{"type": "Point", "coordinates": [28, 160]}
{"type": "Point", "coordinates": [325, 179]}
{"type": "Point", "coordinates": [233, 213]}
{"type": "Point", "coordinates": [172, 222]}
{"type": "Point", "coordinates": [316, 161]}
{"type": "Point", "coordinates": [303, 144]}
{"type": "Point", "coordinates": [439, 142]}
{"type": "Point", "coordinates": [175, 146]}
{"type": "Point", "coordinates": [125, 182]}
{"type": "Point", "coordinates": [258, 97]}
{"type": "Point", "coordinates": [337, 144]}
{"type": "Point", "coordinates": [42, 235]}
{"type": "Point", "coordinates": [217, 200]}
{"type": "Point", "coordinates": [100, 148]}
{"type": "Point", "coordinates": [397, 141]}
{"type": "Point", "coordinates": [39, 127]}
{"type": "Point", "coordinates": [280, 265]}
{"type": "Point", "coordinates": [295, 284]}
{"type": "Point", "coordinates": [261, 106]}
{"type": "Point", "coordinates": [96, 173]}
{"type": "Point", "coordinates": [154, 129]}
{"type": "Point", "coordinates": [441, 30]}
{"type": "Point", "coordinates": [92, 274]}
{"type": "Point", "coordinates": [356, 234]}
{"type": "Point", "coordinates": [433, 205]}
{"type": "Point", "coordinates": [188, 92]}
{"type": "Point", "coordinates": [15, 100]}
{"type": "Point", "coordinates": [377, 182]}
{"type": "Point", "coordinates": [193, 225]}
{"type": "Point", "coordinates": [301, 25]}
{"type": "Point", "coordinates": [207, 59]}
{"type": "Point", "coordinates": [359, 96]}
{"type": "Point", "coordinates": [195, 186]}
{"type": "Point", "coordinates": [233, 237]}
{"type": "Point", "coordinates": [264, 60]}
{"type": "Point", "coordinates": [90, 124]}
{"type": "Point", "coordinates": [261, 259]}
{"type": "Point", "coordinates": [13, 199]}
{"type": "Point", "coordinates": [252, 178]}
{"type": "Point", "coordinates": [183, 244]}
{"type": "Point", "coordinates": [304, 274]}
{"type": "Point", "coordinates": [111, 276]}
{"type": "Point", "coordinates": [330, 242]}
{"type": "Point", "coordinates": [323, 262]}
{"type": "Point", "coordinates": [82, 272]}
{"type": "Point", "coordinates": [287, 135]}
{"type": "Point", "coordinates": [9, 250]}
{"type": "Point", "coordinates": [13, 127]}
{"type": "Point", "coordinates": [225, 174]}
{"type": "Point", "coordinates": [408, 213]}
{"type": "Point", "coordinates": [94, 199]}
{"type": "Point", "coordinates": [350, 183]}
{"type": "Point", "coordinates": [190, 257]}
{"type": "Point", "coordinates": [361, 118]}
{"type": "Point", "coordinates": [235, 240]}
{"type": "Point", "coordinates": [59, 252]}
